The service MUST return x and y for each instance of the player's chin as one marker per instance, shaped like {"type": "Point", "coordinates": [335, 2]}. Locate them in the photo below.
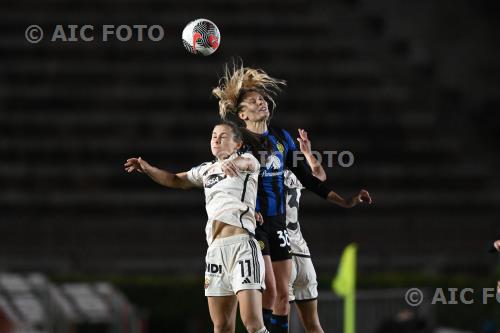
{"type": "Point", "coordinates": [216, 151]}
{"type": "Point", "coordinates": [219, 152]}
{"type": "Point", "coordinates": [262, 113]}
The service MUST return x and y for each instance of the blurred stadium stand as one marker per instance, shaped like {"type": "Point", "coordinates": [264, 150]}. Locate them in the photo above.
{"type": "Point", "coordinates": [410, 88]}
{"type": "Point", "coordinates": [32, 304]}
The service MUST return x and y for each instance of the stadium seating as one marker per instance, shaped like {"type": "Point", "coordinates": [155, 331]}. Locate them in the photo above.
{"type": "Point", "coordinates": [360, 78]}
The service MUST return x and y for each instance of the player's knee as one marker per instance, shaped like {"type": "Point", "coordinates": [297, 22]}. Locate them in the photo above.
{"type": "Point", "coordinates": [282, 296]}
{"type": "Point", "coordinates": [252, 322]}
{"type": "Point", "coordinates": [312, 326]}
{"type": "Point", "coordinates": [223, 326]}
{"type": "Point", "coordinates": [281, 302]}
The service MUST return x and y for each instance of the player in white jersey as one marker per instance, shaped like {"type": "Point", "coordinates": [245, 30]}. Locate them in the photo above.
{"type": "Point", "coordinates": [303, 287]}
{"type": "Point", "coordinates": [234, 265]}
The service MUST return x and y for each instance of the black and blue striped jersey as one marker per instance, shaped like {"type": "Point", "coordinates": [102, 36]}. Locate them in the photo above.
{"type": "Point", "coordinates": [271, 194]}
{"type": "Point", "coordinates": [271, 191]}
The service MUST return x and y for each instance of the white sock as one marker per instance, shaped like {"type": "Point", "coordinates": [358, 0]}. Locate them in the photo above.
{"type": "Point", "coordinates": [262, 330]}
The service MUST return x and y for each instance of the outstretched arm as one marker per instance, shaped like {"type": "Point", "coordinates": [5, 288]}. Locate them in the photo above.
{"type": "Point", "coordinates": [313, 184]}
{"type": "Point", "coordinates": [362, 197]}
{"type": "Point", "coordinates": [162, 177]}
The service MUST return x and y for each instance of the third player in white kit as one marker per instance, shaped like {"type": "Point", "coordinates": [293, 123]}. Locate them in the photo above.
{"type": "Point", "coordinates": [303, 287]}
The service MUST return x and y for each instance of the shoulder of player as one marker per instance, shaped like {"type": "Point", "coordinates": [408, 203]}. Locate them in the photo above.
{"type": "Point", "coordinates": [206, 164]}
{"type": "Point", "coordinates": [281, 134]}
{"type": "Point", "coordinates": [279, 130]}
{"type": "Point", "coordinates": [203, 167]}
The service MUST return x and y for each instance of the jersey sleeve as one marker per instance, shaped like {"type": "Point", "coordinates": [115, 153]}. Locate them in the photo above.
{"type": "Point", "coordinates": [195, 176]}
{"type": "Point", "coordinates": [289, 141]}
{"type": "Point", "coordinates": [305, 176]}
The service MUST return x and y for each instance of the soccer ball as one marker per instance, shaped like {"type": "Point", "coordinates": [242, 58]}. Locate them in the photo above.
{"type": "Point", "coordinates": [201, 36]}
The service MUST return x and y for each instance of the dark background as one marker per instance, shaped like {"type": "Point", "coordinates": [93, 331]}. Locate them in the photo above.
{"type": "Point", "coordinates": [410, 87]}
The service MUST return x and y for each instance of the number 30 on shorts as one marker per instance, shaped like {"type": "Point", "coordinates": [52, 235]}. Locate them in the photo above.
{"type": "Point", "coordinates": [283, 235]}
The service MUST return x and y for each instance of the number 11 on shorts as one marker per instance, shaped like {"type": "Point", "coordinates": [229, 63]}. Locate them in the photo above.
{"type": "Point", "coordinates": [242, 266]}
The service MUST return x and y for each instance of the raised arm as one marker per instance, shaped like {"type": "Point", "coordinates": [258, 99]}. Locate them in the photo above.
{"type": "Point", "coordinates": [162, 177]}
{"type": "Point", "coordinates": [305, 148]}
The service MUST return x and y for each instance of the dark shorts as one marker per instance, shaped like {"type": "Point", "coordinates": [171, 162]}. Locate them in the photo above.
{"type": "Point", "coordinates": [272, 236]}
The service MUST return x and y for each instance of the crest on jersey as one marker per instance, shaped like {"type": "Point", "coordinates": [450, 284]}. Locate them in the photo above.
{"type": "Point", "coordinates": [280, 147]}
{"type": "Point", "coordinates": [213, 179]}
{"type": "Point", "coordinates": [273, 162]}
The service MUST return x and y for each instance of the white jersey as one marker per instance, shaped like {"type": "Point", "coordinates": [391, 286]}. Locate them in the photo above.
{"type": "Point", "coordinates": [229, 200]}
{"type": "Point", "coordinates": [293, 191]}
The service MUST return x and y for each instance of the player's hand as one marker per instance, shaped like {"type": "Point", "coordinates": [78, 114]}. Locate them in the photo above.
{"type": "Point", "coordinates": [362, 197]}
{"type": "Point", "coordinates": [137, 164]}
{"type": "Point", "coordinates": [229, 168]}
{"type": "Point", "coordinates": [496, 244]}
{"type": "Point", "coordinates": [305, 144]}
{"type": "Point", "coordinates": [259, 218]}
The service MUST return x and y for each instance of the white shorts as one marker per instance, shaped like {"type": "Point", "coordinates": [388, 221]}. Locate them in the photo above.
{"type": "Point", "coordinates": [303, 285]}
{"type": "Point", "coordinates": [232, 264]}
